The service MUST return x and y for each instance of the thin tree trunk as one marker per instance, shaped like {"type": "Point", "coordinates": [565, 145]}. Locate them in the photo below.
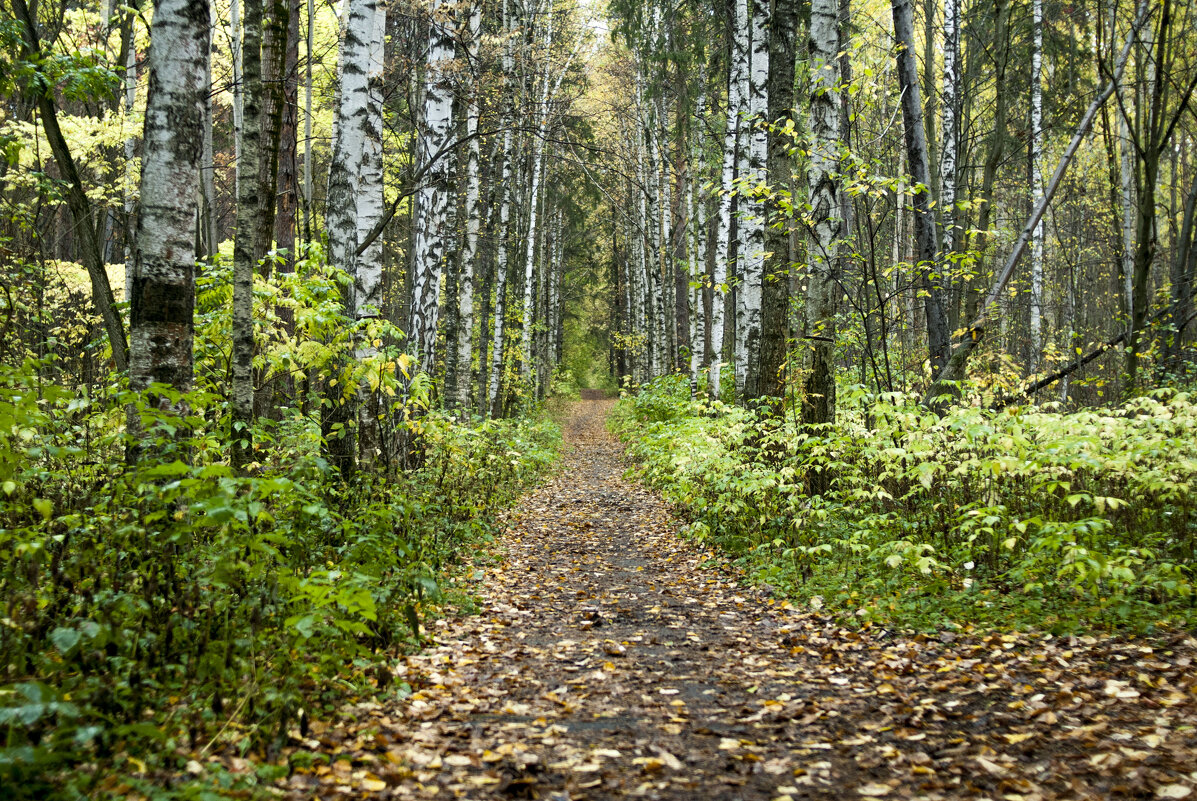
{"type": "Point", "coordinates": [997, 144]}
{"type": "Point", "coordinates": [288, 178]}
{"type": "Point", "coordinates": [505, 189]}
{"type": "Point", "coordinates": [1036, 323]}
{"type": "Point", "coordinates": [473, 210]}
{"type": "Point", "coordinates": [775, 296]}
{"type": "Point", "coordinates": [950, 89]}
{"type": "Point", "coordinates": [130, 203]}
{"type": "Point", "coordinates": [535, 192]}
{"type": "Point", "coordinates": [273, 55]}
{"type": "Point", "coordinates": [752, 259]}
{"type": "Point", "coordinates": [208, 171]}
{"type": "Point", "coordinates": [245, 247]}
{"type": "Point", "coordinates": [938, 343]}
{"type": "Point", "coordinates": [736, 102]}
{"type": "Point", "coordinates": [307, 124]}
{"type": "Point", "coordinates": [1153, 142]}
{"type": "Point", "coordinates": [90, 248]}
{"type": "Point", "coordinates": [235, 48]}
{"type": "Point", "coordinates": [818, 404]}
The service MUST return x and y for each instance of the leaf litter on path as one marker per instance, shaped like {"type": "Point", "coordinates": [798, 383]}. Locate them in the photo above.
{"type": "Point", "coordinates": [613, 659]}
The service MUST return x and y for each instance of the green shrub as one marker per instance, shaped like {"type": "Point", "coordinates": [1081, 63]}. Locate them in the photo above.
{"type": "Point", "coordinates": [168, 605]}
{"type": "Point", "coordinates": [1026, 515]}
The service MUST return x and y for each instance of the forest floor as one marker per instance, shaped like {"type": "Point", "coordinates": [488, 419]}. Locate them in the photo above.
{"type": "Point", "coordinates": [613, 658]}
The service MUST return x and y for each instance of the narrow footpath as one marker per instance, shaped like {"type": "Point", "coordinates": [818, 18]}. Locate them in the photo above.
{"type": "Point", "coordinates": [613, 659]}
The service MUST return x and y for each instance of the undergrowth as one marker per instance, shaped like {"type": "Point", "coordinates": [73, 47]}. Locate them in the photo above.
{"type": "Point", "coordinates": [1024, 517]}
{"type": "Point", "coordinates": [169, 608]}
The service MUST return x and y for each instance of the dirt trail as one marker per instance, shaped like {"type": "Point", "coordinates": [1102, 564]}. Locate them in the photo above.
{"type": "Point", "coordinates": [613, 659]}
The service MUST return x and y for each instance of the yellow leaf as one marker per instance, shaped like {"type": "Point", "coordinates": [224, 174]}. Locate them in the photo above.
{"type": "Point", "coordinates": [874, 790]}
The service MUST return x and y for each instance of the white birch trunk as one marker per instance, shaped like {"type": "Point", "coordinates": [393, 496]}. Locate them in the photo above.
{"type": "Point", "coordinates": [371, 201]}
{"type": "Point", "coordinates": [1036, 323]}
{"type": "Point", "coordinates": [238, 90]}
{"type": "Point", "coordinates": [497, 349]}
{"type": "Point", "coordinates": [737, 78]}
{"type": "Point", "coordinates": [501, 258]}
{"type": "Point", "coordinates": [824, 224]}
{"type": "Point", "coordinates": [752, 223]}
{"type": "Point", "coordinates": [652, 190]}
{"type": "Point", "coordinates": [351, 130]}
{"type": "Point", "coordinates": [130, 150]}
{"type": "Point", "coordinates": [307, 124]}
{"type": "Point", "coordinates": [535, 190]}
{"type": "Point", "coordinates": [432, 198]}
{"type": "Point", "coordinates": [642, 284]}
{"type": "Point", "coordinates": [1126, 185]}
{"type": "Point", "coordinates": [473, 210]}
{"type": "Point", "coordinates": [163, 297]}
{"type": "Point", "coordinates": [951, 82]}
{"type": "Point", "coordinates": [696, 216]}
{"type": "Point", "coordinates": [207, 172]}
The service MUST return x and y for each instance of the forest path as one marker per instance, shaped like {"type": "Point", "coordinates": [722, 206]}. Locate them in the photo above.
{"type": "Point", "coordinates": [612, 658]}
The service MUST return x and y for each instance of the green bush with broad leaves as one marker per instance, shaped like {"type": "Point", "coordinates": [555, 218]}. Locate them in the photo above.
{"type": "Point", "coordinates": [1022, 516]}
{"type": "Point", "coordinates": [156, 609]}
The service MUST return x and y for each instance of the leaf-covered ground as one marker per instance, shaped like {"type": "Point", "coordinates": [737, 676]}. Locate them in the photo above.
{"type": "Point", "coordinates": [612, 658]}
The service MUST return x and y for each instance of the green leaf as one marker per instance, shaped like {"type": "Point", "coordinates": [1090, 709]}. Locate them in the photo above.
{"type": "Point", "coordinates": [43, 507]}
{"type": "Point", "coordinates": [65, 639]}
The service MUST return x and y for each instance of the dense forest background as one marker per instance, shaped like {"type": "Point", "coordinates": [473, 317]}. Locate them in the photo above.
{"type": "Point", "coordinates": [900, 297]}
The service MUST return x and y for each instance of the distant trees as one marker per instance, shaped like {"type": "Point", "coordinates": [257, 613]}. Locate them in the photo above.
{"type": "Point", "coordinates": [929, 223]}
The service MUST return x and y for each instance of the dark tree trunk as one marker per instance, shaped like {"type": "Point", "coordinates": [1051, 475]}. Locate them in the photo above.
{"type": "Point", "coordinates": [775, 286]}
{"type": "Point", "coordinates": [938, 342]}
{"type": "Point", "coordinates": [88, 241]}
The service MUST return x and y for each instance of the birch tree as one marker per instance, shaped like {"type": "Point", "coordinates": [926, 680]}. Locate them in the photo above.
{"type": "Point", "coordinates": [736, 76]}
{"type": "Point", "coordinates": [162, 305]}
{"type": "Point", "coordinates": [948, 148]}
{"type": "Point", "coordinates": [823, 186]}
{"type": "Point", "coordinates": [246, 244]}
{"type": "Point", "coordinates": [752, 223]}
{"type": "Point", "coordinates": [1036, 322]}
{"type": "Point", "coordinates": [432, 198]}
{"type": "Point", "coordinates": [498, 351]}
{"type": "Point", "coordinates": [538, 149]}
{"type": "Point", "coordinates": [355, 205]}
{"type": "Point", "coordinates": [473, 210]}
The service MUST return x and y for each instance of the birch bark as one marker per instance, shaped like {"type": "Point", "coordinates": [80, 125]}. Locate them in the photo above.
{"type": "Point", "coordinates": [736, 77]}
{"type": "Point", "coordinates": [823, 185]}
{"type": "Point", "coordinates": [350, 198]}
{"type": "Point", "coordinates": [535, 190]}
{"type": "Point", "coordinates": [245, 251]}
{"type": "Point", "coordinates": [238, 90]}
{"type": "Point", "coordinates": [473, 210]}
{"type": "Point", "coordinates": [432, 199]}
{"type": "Point", "coordinates": [752, 223]}
{"type": "Point", "coordinates": [950, 87]}
{"type": "Point", "coordinates": [1036, 322]}
{"type": "Point", "coordinates": [163, 301]}
{"type": "Point", "coordinates": [500, 309]}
